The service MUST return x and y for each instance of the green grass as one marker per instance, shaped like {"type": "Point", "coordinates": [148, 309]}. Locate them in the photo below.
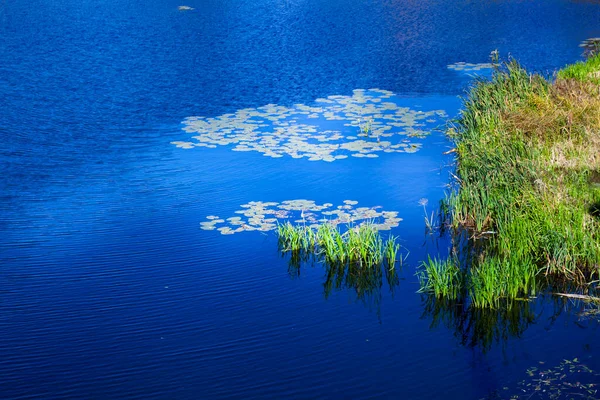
{"type": "Point", "coordinates": [528, 157]}
{"type": "Point", "coordinates": [360, 246]}
{"type": "Point", "coordinates": [442, 278]}
{"type": "Point", "coordinates": [583, 71]}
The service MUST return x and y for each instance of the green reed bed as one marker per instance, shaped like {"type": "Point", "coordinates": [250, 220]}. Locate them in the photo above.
{"type": "Point", "coordinates": [442, 278]}
{"type": "Point", "coordinates": [360, 246]}
{"type": "Point", "coordinates": [527, 190]}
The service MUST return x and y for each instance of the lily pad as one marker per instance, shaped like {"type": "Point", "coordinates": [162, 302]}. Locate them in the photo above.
{"type": "Point", "coordinates": [355, 124]}
{"type": "Point", "coordinates": [265, 216]}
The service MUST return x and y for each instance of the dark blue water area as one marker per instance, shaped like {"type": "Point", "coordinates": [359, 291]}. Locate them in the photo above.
{"type": "Point", "coordinates": [109, 288]}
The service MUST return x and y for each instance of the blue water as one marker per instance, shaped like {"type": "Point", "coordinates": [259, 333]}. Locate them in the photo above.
{"type": "Point", "coordinates": [109, 289]}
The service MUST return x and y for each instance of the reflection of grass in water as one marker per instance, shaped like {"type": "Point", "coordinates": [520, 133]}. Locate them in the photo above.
{"type": "Point", "coordinates": [483, 326]}
{"type": "Point", "coordinates": [479, 327]}
{"type": "Point", "coordinates": [357, 258]}
{"type": "Point", "coordinates": [569, 380]}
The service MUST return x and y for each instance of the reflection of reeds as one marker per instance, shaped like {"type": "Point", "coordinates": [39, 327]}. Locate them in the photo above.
{"type": "Point", "coordinates": [480, 327]}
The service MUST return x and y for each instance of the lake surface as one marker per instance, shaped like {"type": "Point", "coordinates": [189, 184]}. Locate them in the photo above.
{"type": "Point", "coordinates": [110, 289]}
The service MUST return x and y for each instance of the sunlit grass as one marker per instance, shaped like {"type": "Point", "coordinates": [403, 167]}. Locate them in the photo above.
{"type": "Point", "coordinates": [361, 245]}
{"type": "Point", "coordinates": [528, 158]}
{"type": "Point", "coordinates": [442, 278]}
{"type": "Point", "coordinates": [583, 71]}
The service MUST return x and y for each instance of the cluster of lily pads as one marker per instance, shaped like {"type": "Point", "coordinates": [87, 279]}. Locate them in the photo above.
{"type": "Point", "coordinates": [266, 216]}
{"type": "Point", "coordinates": [591, 46]}
{"type": "Point", "coordinates": [471, 67]}
{"type": "Point", "coordinates": [591, 42]}
{"type": "Point", "coordinates": [361, 125]}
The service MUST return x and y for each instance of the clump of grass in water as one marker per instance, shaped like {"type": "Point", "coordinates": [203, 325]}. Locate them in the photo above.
{"type": "Point", "coordinates": [527, 151]}
{"type": "Point", "coordinates": [442, 278]}
{"type": "Point", "coordinates": [359, 246]}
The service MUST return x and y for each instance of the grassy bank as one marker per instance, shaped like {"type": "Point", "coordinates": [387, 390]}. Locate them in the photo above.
{"type": "Point", "coordinates": [527, 196]}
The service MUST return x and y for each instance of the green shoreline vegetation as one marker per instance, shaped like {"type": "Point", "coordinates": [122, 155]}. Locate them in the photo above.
{"type": "Point", "coordinates": [525, 210]}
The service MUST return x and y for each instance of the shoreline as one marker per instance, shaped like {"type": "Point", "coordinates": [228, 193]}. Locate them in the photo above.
{"type": "Point", "coordinates": [527, 188]}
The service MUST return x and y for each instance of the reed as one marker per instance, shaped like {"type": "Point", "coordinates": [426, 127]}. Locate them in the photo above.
{"type": "Point", "coordinates": [360, 246]}
{"type": "Point", "coordinates": [528, 156]}
{"type": "Point", "coordinates": [442, 278]}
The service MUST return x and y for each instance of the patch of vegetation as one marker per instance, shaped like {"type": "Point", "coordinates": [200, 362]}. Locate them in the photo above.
{"type": "Point", "coordinates": [583, 71]}
{"type": "Point", "coordinates": [361, 246]}
{"type": "Point", "coordinates": [442, 278]}
{"type": "Point", "coordinates": [571, 379]}
{"type": "Point", "coordinates": [528, 153]}
{"type": "Point", "coordinates": [357, 258]}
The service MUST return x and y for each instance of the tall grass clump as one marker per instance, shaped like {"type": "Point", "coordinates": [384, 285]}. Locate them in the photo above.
{"type": "Point", "coordinates": [442, 278]}
{"type": "Point", "coordinates": [528, 158]}
{"type": "Point", "coordinates": [360, 246]}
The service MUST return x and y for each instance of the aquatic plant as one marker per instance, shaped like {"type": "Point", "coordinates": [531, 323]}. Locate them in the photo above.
{"type": "Point", "coordinates": [391, 250]}
{"type": "Point", "coordinates": [570, 379]}
{"type": "Point", "coordinates": [265, 216]}
{"type": "Point", "coordinates": [275, 131]}
{"type": "Point", "coordinates": [360, 246]}
{"type": "Point", "coordinates": [356, 258]}
{"type": "Point", "coordinates": [528, 150]}
{"type": "Point", "coordinates": [429, 219]}
{"type": "Point", "coordinates": [591, 46]}
{"type": "Point", "coordinates": [442, 278]}
{"type": "Point", "coordinates": [471, 67]}
{"type": "Point", "coordinates": [365, 128]}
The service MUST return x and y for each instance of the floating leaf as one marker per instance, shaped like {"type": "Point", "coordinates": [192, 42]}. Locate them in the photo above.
{"type": "Point", "coordinates": [276, 131]}
{"type": "Point", "coordinates": [264, 216]}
